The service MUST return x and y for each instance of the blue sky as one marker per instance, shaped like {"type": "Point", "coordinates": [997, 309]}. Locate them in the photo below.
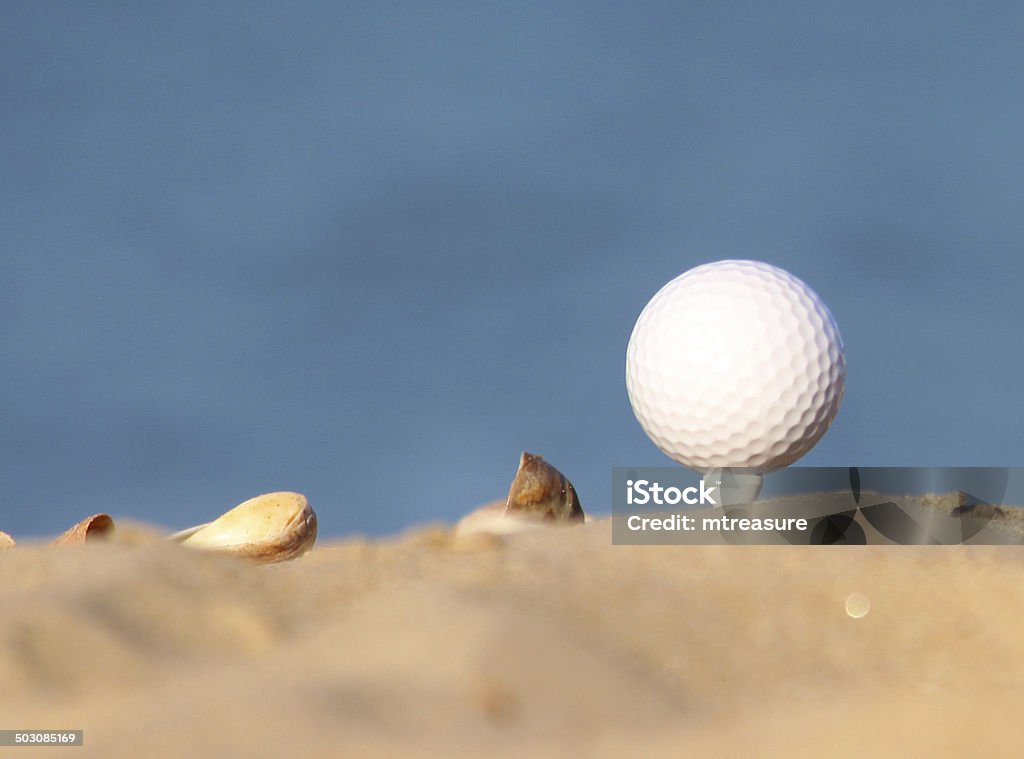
{"type": "Point", "coordinates": [372, 251]}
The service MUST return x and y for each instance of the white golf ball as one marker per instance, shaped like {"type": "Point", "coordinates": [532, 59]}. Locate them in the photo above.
{"type": "Point", "coordinates": [735, 364]}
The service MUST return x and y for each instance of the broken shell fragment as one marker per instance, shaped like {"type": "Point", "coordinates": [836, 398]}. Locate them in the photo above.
{"type": "Point", "coordinates": [96, 527]}
{"type": "Point", "coordinates": [539, 490]}
{"type": "Point", "coordinates": [491, 519]}
{"type": "Point", "coordinates": [268, 528]}
{"type": "Point", "coordinates": [6, 541]}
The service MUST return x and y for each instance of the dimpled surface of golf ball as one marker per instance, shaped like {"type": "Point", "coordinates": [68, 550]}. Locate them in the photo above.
{"type": "Point", "coordinates": [735, 364]}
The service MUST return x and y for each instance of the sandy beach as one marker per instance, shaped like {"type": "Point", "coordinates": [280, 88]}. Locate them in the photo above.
{"type": "Point", "coordinates": [550, 642]}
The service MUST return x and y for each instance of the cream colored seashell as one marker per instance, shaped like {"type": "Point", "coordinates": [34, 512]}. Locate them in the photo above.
{"type": "Point", "coordinates": [6, 541]}
{"type": "Point", "coordinates": [96, 527]}
{"type": "Point", "coordinates": [268, 528]}
{"type": "Point", "coordinates": [492, 519]}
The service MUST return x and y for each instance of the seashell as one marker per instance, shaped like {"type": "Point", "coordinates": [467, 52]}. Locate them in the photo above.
{"type": "Point", "coordinates": [268, 528]}
{"type": "Point", "coordinates": [541, 491]}
{"type": "Point", "coordinates": [96, 527]}
{"type": "Point", "coordinates": [6, 541]}
{"type": "Point", "coordinates": [491, 519]}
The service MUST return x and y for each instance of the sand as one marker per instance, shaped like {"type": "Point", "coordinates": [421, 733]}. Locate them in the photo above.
{"type": "Point", "coordinates": [549, 642]}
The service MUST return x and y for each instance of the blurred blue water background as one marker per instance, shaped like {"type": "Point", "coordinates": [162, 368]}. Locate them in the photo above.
{"type": "Point", "coordinates": [372, 251]}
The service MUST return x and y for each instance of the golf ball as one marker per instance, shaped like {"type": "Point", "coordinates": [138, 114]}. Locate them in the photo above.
{"type": "Point", "coordinates": [735, 364]}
